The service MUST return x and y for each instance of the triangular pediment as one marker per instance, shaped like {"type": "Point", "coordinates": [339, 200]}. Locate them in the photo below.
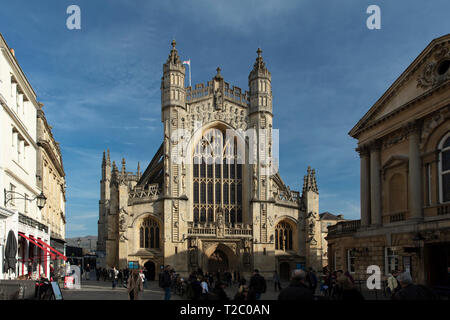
{"type": "Point", "coordinates": [421, 77]}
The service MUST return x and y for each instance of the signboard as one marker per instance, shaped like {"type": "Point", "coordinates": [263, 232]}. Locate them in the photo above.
{"type": "Point", "coordinates": [56, 291]}
{"type": "Point", "coordinates": [68, 282]}
{"type": "Point", "coordinates": [133, 265]}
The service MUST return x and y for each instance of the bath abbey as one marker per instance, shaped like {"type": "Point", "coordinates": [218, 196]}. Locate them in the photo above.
{"type": "Point", "coordinates": [211, 197]}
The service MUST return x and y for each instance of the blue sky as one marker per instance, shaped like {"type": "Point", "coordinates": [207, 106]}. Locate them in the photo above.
{"type": "Point", "coordinates": [101, 84]}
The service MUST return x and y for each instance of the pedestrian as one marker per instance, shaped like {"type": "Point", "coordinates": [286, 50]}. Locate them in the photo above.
{"type": "Point", "coordinates": [311, 279]}
{"type": "Point", "coordinates": [97, 273]}
{"type": "Point", "coordinates": [242, 281]}
{"type": "Point", "coordinates": [211, 280]}
{"type": "Point", "coordinates": [114, 274]}
{"type": "Point", "coordinates": [297, 289]}
{"type": "Point", "coordinates": [392, 283]}
{"type": "Point", "coordinates": [348, 291]}
{"type": "Point", "coordinates": [165, 282]}
{"type": "Point", "coordinates": [411, 291]}
{"type": "Point", "coordinates": [276, 281]}
{"type": "Point", "coordinates": [143, 278]}
{"type": "Point", "coordinates": [219, 291]}
{"type": "Point", "coordinates": [257, 284]}
{"type": "Point", "coordinates": [134, 285]}
{"type": "Point", "coordinates": [243, 294]}
{"type": "Point", "coordinates": [229, 278]}
{"type": "Point", "coordinates": [205, 289]}
{"type": "Point", "coordinates": [88, 271]}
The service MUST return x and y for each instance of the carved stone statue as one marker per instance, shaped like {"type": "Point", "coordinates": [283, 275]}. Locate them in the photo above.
{"type": "Point", "coordinates": [166, 185]}
{"type": "Point", "coordinates": [218, 100]}
{"type": "Point", "coordinates": [311, 226]}
{"type": "Point", "coordinates": [183, 176]}
{"type": "Point", "coordinates": [220, 224]}
{"type": "Point", "coordinates": [255, 181]}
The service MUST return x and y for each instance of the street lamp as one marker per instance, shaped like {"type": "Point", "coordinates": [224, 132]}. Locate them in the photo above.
{"type": "Point", "coordinates": [41, 199]}
{"type": "Point", "coordinates": [418, 241]}
{"type": "Point", "coordinates": [79, 242]}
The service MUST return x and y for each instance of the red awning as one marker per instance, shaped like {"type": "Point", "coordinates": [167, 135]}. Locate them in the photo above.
{"type": "Point", "coordinates": [52, 255]}
{"type": "Point", "coordinates": [51, 248]}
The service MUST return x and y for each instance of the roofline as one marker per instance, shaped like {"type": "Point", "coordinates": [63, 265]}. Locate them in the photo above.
{"type": "Point", "coordinates": [19, 68]}
{"type": "Point", "coordinates": [355, 130]}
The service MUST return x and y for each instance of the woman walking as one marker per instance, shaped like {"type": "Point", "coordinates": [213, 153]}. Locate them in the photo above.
{"type": "Point", "coordinates": [134, 285]}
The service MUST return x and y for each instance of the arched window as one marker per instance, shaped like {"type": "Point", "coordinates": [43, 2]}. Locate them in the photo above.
{"type": "Point", "coordinates": [217, 178]}
{"type": "Point", "coordinates": [149, 234]}
{"type": "Point", "coordinates": [444, 168]}
{"type": "Point", "coordinates": [283, 236]}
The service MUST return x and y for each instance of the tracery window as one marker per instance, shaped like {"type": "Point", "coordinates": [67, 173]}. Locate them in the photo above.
{"type": "Point", "coordinates": [283, 236]}
{"type": "Point", "coordinates": [444, 168]}
{"type": "Point", "coordinates": [149, 234]}
{"type": "Point", "coordinates": [217, 172]}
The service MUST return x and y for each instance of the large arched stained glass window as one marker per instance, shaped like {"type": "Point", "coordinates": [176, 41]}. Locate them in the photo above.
{"type": "Point", "coordinates": [217, 174]}
{"type": "Point", "coordinates": [149, 234]}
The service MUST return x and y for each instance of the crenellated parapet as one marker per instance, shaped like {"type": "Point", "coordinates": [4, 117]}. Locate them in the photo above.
{"type": "Point", "coordinates": [232, 94]}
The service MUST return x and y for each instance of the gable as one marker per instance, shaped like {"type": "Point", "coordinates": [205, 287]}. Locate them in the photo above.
{"type": "Point", "coordinates": [421, 77]}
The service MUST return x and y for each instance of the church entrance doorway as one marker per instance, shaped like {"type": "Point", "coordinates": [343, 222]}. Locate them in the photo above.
{"type": "Point", "coordinates": [218, 261]}
{"type": "Point", "coordinates": [150, 270]}
{"type": "Point", "coordinates": [285, 270]}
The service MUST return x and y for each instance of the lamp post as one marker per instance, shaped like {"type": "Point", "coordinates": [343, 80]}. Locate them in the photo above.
{"type": "Point", "coordinates": [418, 242]}
{"type": "Point", "coordinates": [41, 199]}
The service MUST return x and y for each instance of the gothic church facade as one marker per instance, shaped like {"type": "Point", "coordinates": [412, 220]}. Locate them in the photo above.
{"type": "Point", "coordinates": [206, 205]}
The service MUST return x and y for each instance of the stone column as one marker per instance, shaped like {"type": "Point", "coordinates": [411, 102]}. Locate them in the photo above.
{"type": "Point", "coordinates": [375, 184]}
{"type": "Point", "coordinates": [414, 171]}
{"type": "Point", "coordinates": [365, 186]}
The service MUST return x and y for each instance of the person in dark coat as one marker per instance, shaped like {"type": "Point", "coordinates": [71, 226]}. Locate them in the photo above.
{"type": "Point", "coordinates": [219, 291]}
{"type": "Point", "coordinates": [297, 289]}
{"type": "Point", "coordinates": [311, 280]}
{"type": "Point", "coordinates": [411, 291]}
{"type": "Point", "coordinates": [165, 282]}
{"type": "Point", "coordinates": [348, 290]}
{"type": "Point", "coordinates": [257, 284]}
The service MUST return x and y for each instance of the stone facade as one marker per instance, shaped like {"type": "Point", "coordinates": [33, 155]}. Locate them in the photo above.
{"type": "Point", "coordinates": [51, 180]}
{"type": "Point", "coordinates": [404, 146]}
{"type": "Point", "coordinates": [188, 209]}
{"type": "Point", "coordinates": [19, 185]}
{"type": "Point", "coordinates": [327, 219]}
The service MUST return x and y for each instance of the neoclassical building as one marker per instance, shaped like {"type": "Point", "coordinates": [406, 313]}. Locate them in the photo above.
{"type": "Point", "coordinates": [211, 197]}
{"type": "Point", "coordinates": [404, 147]}
{"type": "Point", "coordinates": [51, 179]}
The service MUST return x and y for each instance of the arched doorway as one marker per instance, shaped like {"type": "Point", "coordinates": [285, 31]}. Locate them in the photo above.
{"type": "Point", "coordinates": [150, 270]}
{"type": "Point", "coordinates": [218, 261]}
{"type": "Point", "coordinates": [285, 270]}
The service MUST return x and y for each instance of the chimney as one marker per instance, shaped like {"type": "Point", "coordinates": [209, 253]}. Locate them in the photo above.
{"type": "Point", "coordinates": [13, 52]}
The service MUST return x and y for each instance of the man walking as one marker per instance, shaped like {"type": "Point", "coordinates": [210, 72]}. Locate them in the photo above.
{"type": "Point", "coordinates": [276, 281]}
{"type": "Point", "coordinates": [311, 279]}
{"type": "Point", "coordinates": [297, 289]}
{"type": "Point", "coordinates": [165, 282]}
{"type": "Point", "coordinates": [114, 275]}
{"type": "Point", "coordinates": [257, 284]}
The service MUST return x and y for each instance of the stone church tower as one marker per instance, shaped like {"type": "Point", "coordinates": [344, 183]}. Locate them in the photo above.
{"type": "Point", "coordinates": [211, 197]}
